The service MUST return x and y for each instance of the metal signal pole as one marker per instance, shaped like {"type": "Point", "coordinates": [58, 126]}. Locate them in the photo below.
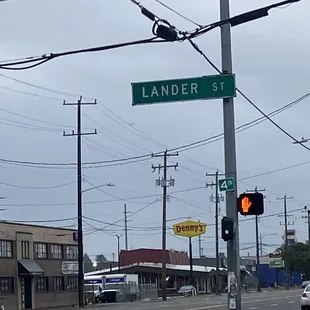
{"type": "Point", "coordinates": [233, 256]}
{"type": "Point", "coordinates": [79, 135]}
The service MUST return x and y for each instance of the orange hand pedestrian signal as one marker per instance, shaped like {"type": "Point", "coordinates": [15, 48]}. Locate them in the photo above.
{"type": "Point", "coordinates": [246, 204]}
{"type": "Point", "coordinates": [251, 204]}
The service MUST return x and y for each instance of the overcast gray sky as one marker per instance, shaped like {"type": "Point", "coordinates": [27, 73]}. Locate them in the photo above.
{"type": "Point", "coordinates": [270, 59]}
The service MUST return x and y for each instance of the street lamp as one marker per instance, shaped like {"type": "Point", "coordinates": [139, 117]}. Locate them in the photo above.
{"type": "Point", "coordinates": [302, 140]}
{"type": "Point", "coordinates": [98, 186]}
{"type": "Point", "coordinates": [95, 264]}
{"type": "Point", "coordinates": [118, 250]}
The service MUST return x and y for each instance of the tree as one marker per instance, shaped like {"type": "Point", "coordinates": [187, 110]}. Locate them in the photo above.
{"type": "Point", "coordinates": [297, 257]}
{"type": "Point", "coordinates": [100, 258]}
{"type": "Point", "coordinates": [87, 259]}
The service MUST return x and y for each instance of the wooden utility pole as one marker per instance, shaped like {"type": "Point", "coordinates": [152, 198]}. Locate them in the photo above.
{"type": "Point", "coordinates": [286, 267]}
{"type": "Point", "coordinates": [217, 251]}
{"type": "Point", "coordinates": [257, 240]}
{"type": "Point", "coordinates": [164, 183]}
{"type": "Point", "coordinates": [79, 135]}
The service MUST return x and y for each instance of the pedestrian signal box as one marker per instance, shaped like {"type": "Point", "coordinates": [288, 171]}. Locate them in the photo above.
{"type": "Point", "coordinates": [227, 229]}
{"type": "Point", "coordinates": [251, 204]}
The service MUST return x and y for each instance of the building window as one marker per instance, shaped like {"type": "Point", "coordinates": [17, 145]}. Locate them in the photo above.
{"type": "Point", "coordinates": [72, 252]}
{"type": "Point", "coordinates": [40, 250]}
{"type": "Point", "coordinates": [25, 249]}
{"type": "Point", "coordinates": [58, 283]}
{"type": "Point", "coordinates": [6, 285]}
{"type": "Point", "coordinates": [72, 283]}
{"type": "Point", "coordinates": [56, 251]}
{"type": "Point", "coordinates": [42, 284]}
{"type": "Point", "coordinates": [5, 248]}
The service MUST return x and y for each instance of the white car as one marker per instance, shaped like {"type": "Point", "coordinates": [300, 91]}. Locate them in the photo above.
{"type": "Point", "coordinates": [305, 299]}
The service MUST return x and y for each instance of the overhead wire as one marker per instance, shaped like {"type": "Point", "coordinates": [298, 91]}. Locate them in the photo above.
{"type": "Point", "coordinates": [197, 49]}
{"type": "Point", "coordinates": [37, 61]}
{"type": "Point", "coordinates": [181, 148]}
{"type": "Point", "coordinates": [37, 187]}
{"type": "Point", "coordinates": [130, 215]}
{"type": "Point", "coordinates": [98, 201]}
{"type": "Point", "coordinates": [265, 116]}
{"type": "Point", "coordinates": [177, 13]}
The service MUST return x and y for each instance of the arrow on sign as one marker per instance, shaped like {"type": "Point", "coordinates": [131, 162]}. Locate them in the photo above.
{"type": "Point", "coordinates": [246, 204]}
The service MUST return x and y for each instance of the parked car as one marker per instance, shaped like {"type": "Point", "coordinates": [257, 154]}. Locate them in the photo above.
{"type": "Point", "coordinates": [305, 299]}
{"type": "Point", "coordinates": [187, 290]}
{"type": "Point", "coordinates": [305, 284]}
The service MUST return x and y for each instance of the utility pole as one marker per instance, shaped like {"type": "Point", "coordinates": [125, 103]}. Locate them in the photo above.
{"type": "Point", "coordinates": [217, 251]}
{"type": "Point", "coordinates": [233, 256]}
{"type": "Point", "coordinates": [287, 271]}
{"type": "Point", "coordinates": [118, 252]}
{"type": "Point", "coordinates": [199, 246]}
{"type": "Point", "coordinates": [164, 183]}
{"type": "Point", "coordinates": [126, 226]}
{"type": "Point", "coordinates": [79, 135]}
{"type": "Point", "coordinates": [308, 222]}
{"type": "Point", "coordinates": [261, 244]}
{"type": "Point", "coordinates": [257, 241]}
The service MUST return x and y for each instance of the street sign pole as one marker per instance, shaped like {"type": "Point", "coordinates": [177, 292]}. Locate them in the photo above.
{"type": "Point", "coordinates": [233, 259]}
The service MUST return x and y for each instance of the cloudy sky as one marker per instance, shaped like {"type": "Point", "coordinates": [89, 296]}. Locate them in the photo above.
{"type": "Point", "coordinates": [270, 59]}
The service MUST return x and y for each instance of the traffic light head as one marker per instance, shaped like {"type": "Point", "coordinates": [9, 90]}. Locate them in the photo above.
{"type": "Point", "coordinates": [227, 229]}
{"type": "Point", "coordinates": [251, 204]}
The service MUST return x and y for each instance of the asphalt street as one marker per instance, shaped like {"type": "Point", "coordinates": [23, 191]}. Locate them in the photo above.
{"type": "Point", "coordinates": [274, 300]}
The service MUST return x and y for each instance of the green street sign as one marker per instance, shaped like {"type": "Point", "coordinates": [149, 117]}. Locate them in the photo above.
{"type": "Point", "coordinates": [189, 89]}
{"type": "Point", "coordinates": [227, 185]}
{"type": "Point", "coordinates": [276, 264]}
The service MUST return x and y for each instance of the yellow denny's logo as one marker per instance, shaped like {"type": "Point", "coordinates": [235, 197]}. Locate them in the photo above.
{"type": "Point", "coordinates": [189, 229]}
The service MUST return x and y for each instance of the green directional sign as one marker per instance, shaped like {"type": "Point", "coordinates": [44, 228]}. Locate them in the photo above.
{"type": "Point", "coordinates": [189, 89]}
{"type": "Point", "coordinates": [227, 184]}
{"type": "Point", "coordinates": [276, 264]}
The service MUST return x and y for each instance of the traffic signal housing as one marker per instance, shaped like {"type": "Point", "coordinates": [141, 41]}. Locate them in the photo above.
{"type": "Point", "coordinates": [251, 204]}
{"type": "Point", "coordinates": [227, 229]}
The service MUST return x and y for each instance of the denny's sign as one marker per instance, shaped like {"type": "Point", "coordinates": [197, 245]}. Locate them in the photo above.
{"type": "Point", "coordinates": [189, 229]}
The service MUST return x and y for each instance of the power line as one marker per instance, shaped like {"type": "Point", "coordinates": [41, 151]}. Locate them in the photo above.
{"type": "Point", "coordinates": [41, 221]}
{"type": "Point", "coordinates": [98, 201]}
{"type": "Point", "coordinates": [181, 148]}
{"type": "Point", "coordinates": [37, 187]}
{"type": "Point", "coordinates": [37, 61]}
{"type": "Point", "coordinates": [130, 215]}
{"type": "Point", "coordinates": [195, 46]}
{"type": "Point", "coordinates": [184, 147]}
{"type": "Point", "coordinates": [177, 13]}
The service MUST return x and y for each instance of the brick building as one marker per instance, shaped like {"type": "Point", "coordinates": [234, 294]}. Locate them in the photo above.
{"type": "Point", "coordinates": [38, 266]}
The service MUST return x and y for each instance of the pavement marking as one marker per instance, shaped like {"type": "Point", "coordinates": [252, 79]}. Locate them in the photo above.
{"type": "Point", "coordinates": [253, 308]}
{"type": "Point", "coordinates": [245, 302]}
{"type": "Point", "coordinates": [291, 302]}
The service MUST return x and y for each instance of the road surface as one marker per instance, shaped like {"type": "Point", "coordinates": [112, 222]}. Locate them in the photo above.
{"type": "Point", "coordinates": [273, 300]}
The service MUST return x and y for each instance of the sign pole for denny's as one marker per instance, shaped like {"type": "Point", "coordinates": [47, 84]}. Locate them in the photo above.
{"type": "Point", "coordinates": [190, 229]}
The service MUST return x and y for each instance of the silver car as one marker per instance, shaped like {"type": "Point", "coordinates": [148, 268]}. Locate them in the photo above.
{"type": "Point", "coordinates": [305, 284]}
{"type": "Point", "coordinates": [305, 299]}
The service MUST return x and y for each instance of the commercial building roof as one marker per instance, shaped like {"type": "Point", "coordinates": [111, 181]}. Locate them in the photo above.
{"type": "Point", "coordinates": [155, 265]}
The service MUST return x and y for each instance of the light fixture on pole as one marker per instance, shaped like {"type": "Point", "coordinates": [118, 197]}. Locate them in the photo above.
{"type": "Point", "coordinates": [118, 251]}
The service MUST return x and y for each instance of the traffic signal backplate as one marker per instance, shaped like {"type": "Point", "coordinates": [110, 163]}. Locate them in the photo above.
{"type": "Point", "coordinates": [251, 204]}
